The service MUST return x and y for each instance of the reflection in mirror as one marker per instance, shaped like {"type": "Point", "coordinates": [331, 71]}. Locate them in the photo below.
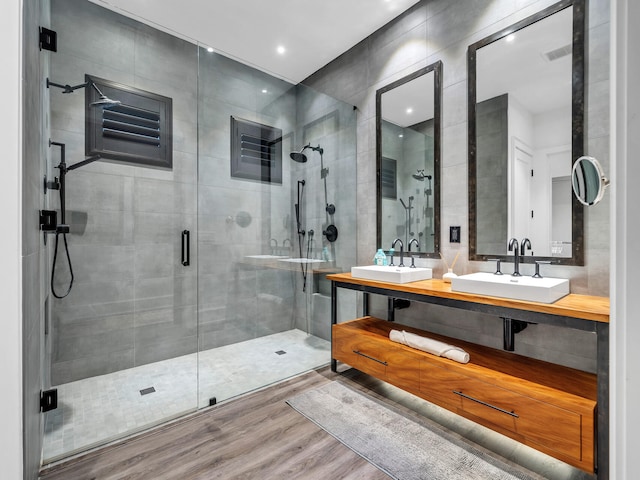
{"type": "Point", "coordinates": [526, 102]}
{"type": "Point", "coordinates": [588, 181]}
{"type": "Point", "coordinates": [408, 161]}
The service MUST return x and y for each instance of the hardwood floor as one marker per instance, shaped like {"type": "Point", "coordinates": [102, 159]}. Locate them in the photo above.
{"type": "Point", "coordinates": [257, 436]}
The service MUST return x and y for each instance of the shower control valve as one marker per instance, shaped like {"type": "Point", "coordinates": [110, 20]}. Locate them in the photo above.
{"type": "Point", "coordinates": [48, 220]}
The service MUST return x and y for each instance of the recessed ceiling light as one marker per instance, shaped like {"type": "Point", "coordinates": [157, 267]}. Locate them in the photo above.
{"type": "Point", "coordinates": [281, 50]}
{"type": "Point", "coordinates": [409, 111]}
{"type": "Point", "coordinates": [400, 136]}
{"type": "Point", "coordinates": [510, 38]}
{"type": "Point", "coordinates": [264, 90]}
{"type": "Point", "coordinates": [210, 49]}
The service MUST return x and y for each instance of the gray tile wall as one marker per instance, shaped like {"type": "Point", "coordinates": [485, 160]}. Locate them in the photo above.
{"type": "Point", "coordinates": [132, 302]}
{"type": "Point", "coordinates": [441, 30]}
{"type": "Point", "coordinates": [325, 121]}
{"type": "Point", "coordinates": [239, 300]}
{"type": "Point", "coordinates": [34, 287]}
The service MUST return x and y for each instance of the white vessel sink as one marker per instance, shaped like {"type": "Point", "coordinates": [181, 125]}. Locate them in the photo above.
{"type": "Point", "coordinates": [543, 290]}
{"type": "Point", "coordinates": [391, 274]}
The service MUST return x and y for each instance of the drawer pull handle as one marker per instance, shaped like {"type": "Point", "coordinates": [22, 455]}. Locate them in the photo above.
{"type": "Point", "coordinates": [513, 414]}
{"type": "Point", "coordinates": [370, 358]}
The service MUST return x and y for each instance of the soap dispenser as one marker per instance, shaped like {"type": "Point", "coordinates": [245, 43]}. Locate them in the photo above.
{"type": "Point", "coordinates": [380, 258]}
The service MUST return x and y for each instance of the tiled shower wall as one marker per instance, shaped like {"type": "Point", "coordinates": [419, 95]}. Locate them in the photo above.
{"type": "Point", "coordinates": [331, 124]}
{"type": "Point", "coordinates": [239, 300]}
{"type": "Point", "coordinates": [442, 30]}
{"type": "Point", "coordinates": [132, 301]}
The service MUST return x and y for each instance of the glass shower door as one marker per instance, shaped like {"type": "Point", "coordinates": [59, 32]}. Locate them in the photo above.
{"type": "Point", "coordinates": [123, 343]}
{"type": "Point", "coordinates": [263, 302]}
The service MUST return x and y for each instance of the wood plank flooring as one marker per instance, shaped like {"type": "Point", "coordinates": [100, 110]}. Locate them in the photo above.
{"type": "Point", "coordinates": [257, 436]}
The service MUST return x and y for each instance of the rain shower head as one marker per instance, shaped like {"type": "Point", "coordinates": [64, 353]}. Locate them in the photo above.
{"type": "Point", "coordinates": [301, 157]}
{"type": "Point", "coordinates": [420, 176]}
{"type": "Point", "coordinates": [102, 102]}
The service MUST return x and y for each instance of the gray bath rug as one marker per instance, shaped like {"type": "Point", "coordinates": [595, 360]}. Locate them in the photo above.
{"type": "Point", "coordinates": [401, 447]}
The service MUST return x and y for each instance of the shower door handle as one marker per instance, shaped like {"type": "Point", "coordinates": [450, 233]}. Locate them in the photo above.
{"type": "Point", "coordinates": [185, 248]}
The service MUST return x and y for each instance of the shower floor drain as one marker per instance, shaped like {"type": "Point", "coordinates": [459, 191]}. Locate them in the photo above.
{"type": "Point", "coordinates": [146, 391]}
{"type": "Point", "coordinates": [280, 352]}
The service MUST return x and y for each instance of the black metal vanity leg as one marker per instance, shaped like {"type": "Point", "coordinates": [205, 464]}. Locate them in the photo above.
{"type": "Point", "coordinates": [509, 328]}
{"type": "Point", "coordinates": [508, 336]}
{"type": "Point", "coordinates": [365, 304]}
{"type": "Point", "coordinates": [391, 310]}
{"type": "Point", "coordinates": [602, 419]}
{"type": "Point", "coordinates": [334, 320]}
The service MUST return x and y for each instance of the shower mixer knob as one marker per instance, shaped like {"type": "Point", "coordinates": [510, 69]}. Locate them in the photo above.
{"type": "Point", "coordinates": [331, 233]}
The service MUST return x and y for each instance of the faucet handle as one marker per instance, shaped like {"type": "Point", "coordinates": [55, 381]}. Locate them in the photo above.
{"type": "Point", "coordinates": [538, 263]}
{"type": "Point", "coordinates": [497, 260]}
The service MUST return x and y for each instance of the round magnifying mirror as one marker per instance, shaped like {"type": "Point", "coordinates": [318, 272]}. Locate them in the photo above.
{"type": "Point", "coordinates": [588, 180]}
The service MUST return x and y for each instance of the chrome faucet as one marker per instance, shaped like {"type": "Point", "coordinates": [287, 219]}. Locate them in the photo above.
{"type": "Point", "coordinates": [413, 240]}
{"type": "Point", "coordinates": [393, 245]}
{"type": "Point", "coordinates": [274, 250]}
{"type": "Point", "coordinates": [513, 246]}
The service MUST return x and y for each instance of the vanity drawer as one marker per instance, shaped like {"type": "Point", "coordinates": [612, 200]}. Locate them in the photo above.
{"type": "Point", "coordinates": [403, 369]}
{"type": "Point", "coordinates": [551, 426]}
{"type": "Point", "coordinates": [368, 355]}
{"type": "Point", "coordinates": [378, 357]}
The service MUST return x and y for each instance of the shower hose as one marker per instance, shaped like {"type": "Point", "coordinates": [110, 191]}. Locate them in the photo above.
{"type": "Point", "coordinates": [53, 268]}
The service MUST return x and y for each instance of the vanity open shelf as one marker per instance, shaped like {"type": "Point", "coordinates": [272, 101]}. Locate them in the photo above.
{"type": "Point", "coordinates": [548, 407]}
{"type": "Point", "coordinates": [558, 410]}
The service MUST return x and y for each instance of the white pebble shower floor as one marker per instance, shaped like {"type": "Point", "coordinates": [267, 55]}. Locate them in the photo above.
{"type": "Point", "coordinates": [99, 409]}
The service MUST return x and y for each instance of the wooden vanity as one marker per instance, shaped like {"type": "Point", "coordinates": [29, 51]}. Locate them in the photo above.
{"type": "Point", "coordinates": [555, 409]}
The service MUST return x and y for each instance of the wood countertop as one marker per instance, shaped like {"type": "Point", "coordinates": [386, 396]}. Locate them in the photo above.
{"type": "Point", "coordinates": [586, 307]}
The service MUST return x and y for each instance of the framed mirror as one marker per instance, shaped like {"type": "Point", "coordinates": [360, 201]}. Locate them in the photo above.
{"type": "Point", "coordinates": [408, 124]}
{"type": "Point", "coordinates": [526, 126]}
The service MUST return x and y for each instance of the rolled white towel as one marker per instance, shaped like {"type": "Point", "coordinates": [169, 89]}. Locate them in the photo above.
{"type": "Point", "coordinates": [429, 345]}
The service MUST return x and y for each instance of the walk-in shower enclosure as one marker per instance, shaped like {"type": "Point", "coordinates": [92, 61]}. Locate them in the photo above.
{"type": "Point", "coordinates": [150, 331]}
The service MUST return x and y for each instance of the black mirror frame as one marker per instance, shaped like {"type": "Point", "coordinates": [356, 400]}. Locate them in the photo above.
{"type": "Point", "coordinates": [436, 68]}
{"type": "Point", "coordinates": [577, 127]}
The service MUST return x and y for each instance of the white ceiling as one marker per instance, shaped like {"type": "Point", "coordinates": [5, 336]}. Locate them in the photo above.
{"type": "Point", "coordinates": [313, 32]}
{"type": "Point", "coordinates": [411, 102]}
{"type": "Point", "coordinates": [520, 67]}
